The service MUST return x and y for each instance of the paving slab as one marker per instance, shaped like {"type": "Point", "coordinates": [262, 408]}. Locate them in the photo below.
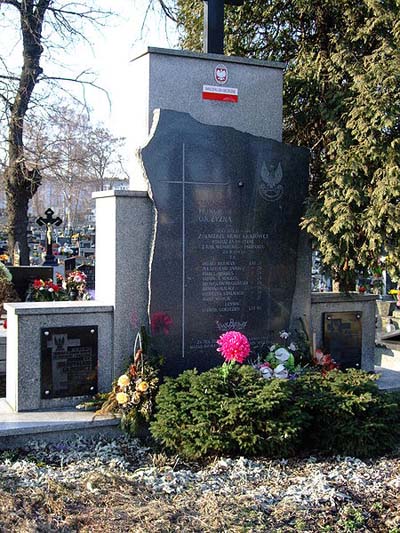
{"type": "Point", "coordinates": [17, 429]}
{"type": "Point", "coordinates": [389, 379]}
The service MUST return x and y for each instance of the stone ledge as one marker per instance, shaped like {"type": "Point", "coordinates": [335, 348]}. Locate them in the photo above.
{"type": "Point", "coordinates": [121, 193]}
{"type": "Point", "coordinates": [213, 57]}
{"type": "Point", "coordinates": [18, 428]}
{"type": "Point", "coordinates": [56, 308]}
{"type": "Point", "coordinates": [339, 297]}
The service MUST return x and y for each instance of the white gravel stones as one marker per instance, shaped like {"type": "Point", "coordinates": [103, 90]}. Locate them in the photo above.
{"type": "Point", "coordinates": [306, 483]}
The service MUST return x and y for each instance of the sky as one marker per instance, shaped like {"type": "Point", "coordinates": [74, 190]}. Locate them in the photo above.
{"type": "Point", "coordinates": [108, 54]}
{"type": "Point", "coordinates": [114, 48]}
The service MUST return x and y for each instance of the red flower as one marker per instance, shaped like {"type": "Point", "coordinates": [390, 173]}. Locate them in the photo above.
{"type": "Point", "coordinates": [161, 323]}
{"type": "Point", "coordinates": [38, 283]}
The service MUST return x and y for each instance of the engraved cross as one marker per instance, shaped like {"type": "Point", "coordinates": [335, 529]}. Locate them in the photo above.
{"type": "Point", "coordinates": [184, 183]}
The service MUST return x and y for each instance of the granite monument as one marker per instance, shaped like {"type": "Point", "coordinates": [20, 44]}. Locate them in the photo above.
{"type": "Point", "coordinates": [227, 211]}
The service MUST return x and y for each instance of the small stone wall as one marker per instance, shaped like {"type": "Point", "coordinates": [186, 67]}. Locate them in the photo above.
{"type": "Point", "coordinates": [332, 302]}
{"type": "Point", "coordinates": [25, 322]}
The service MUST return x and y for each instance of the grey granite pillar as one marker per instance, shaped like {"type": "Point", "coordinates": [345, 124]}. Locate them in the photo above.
{"type": "Point", "coordinates": [124, 226]}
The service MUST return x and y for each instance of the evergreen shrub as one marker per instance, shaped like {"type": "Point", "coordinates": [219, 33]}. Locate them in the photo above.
{"type": "Point", "coordinates": [199, 415]}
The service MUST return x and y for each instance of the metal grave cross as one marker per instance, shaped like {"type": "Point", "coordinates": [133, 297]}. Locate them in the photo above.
{"type": "Point", "coordinates": [214, 24]}
{"type": "Point", "coordinates": [48, 222]}
{"type": "Point", "coordinates": [183, 184]}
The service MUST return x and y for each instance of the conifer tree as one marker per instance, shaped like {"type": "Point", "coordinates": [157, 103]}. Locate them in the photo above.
{"type": "Point", "coordinates": [341, 100]}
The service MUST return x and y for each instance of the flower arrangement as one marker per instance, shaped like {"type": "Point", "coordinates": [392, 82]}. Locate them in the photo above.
{"type": "Point", "coordinates": [396, 296]}
{"type": "Point", "coordinates": [45, 291]}
{"type": "Point", "coordinates": [73, 287]}
{"type": "Point", "coordinates": [234, 348]}
{"type": "Point", "coordinates": [133, 393]}
{"type": "Point", "coordinates": [74, 284]}
{"type": "Point", "coordinates": [280, 362]}
{"type": "Point", "coordinates": [324, 362]}
{"type": "Point", "coordinates": [284, 360]}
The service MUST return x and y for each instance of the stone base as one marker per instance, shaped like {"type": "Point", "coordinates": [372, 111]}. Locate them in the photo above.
{"type": "Point", "coordinates": [387, 355]}
{"type": "Point", "coordinates": [17, 429]}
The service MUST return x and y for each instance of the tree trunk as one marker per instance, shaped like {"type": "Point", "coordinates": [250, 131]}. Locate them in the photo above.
{"type": "Point", "coordinates": [22, 182]}
{"type": "Point", "coordinates": [17, 208]}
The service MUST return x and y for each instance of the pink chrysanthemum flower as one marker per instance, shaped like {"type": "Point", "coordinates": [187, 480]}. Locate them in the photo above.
{"type": "Point", "coordinates": [233, 346]}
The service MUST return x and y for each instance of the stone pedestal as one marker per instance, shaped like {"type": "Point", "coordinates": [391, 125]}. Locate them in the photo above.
{"type": "Point", "coordinates": [364, 304]}
{"type": "Point", "coordinates": [24, 349]}
{"type": "Point", "coordinates": [124, 233]}
{"type": "Point", "coordinates": [175, 80]}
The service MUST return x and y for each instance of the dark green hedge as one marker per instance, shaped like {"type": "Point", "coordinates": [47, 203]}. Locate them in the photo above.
{"type": "Point", "coordinates": [199, 415]}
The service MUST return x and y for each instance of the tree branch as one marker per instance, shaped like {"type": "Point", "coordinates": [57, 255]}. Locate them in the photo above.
{"type": "Point", "coordinates": [11, 3]}
{"type": "Point", "coordinates": [78, 80]}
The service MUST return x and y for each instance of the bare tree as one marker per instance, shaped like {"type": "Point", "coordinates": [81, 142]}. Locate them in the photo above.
{"type": "Point", "coordinates": [73, 156]}
{"type": "Point", "coordinates": [67, 23]}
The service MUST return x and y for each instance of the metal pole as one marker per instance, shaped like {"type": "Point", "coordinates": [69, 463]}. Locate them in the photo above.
{"type": "Point", "coordinates": [214, 27]}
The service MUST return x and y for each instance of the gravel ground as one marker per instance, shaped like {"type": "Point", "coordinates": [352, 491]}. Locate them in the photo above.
{"type": "Point", "coordinates": [122, 486]}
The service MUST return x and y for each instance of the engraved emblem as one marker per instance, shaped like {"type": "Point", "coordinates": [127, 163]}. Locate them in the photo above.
{"type": "Point", "coordinates": [231, 325]}
{"type": "Point", "coordinates": [270, 188]}
{"type": "Point", "coordinates": [221, 74]}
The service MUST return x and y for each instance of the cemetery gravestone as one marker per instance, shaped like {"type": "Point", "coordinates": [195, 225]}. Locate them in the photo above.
{"type": "Point", "coordinates": [228, 206]}
{"type": "Point", "coordinates": [23, 276]}
{"type": "Point", "coordinates": [89, 271]}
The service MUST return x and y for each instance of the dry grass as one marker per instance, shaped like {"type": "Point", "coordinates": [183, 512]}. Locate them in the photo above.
{"type": "Point", "coordinates": [114, 503]}
{"type": "Point", "coordinates": [40, 493]}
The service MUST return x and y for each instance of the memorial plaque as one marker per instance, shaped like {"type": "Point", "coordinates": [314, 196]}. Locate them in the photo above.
{"type": "Point", "coordinates": [89, 270]}
{"type": "Point", "coordinates": [23, 276]}
{"type": "Point", "coordinates": [228, 206]}
{"type": "Point", "coordinates": [68, 361]}
{"type": "Point", "coordinates": [342, 338]}
{"type": "Point", "coordinates": [69, 264]}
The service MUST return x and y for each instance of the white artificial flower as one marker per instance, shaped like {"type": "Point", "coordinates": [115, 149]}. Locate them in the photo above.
{"type": "Point", "coordinates": [266, 372]}
{"type": "Point", "coordinates": [284, 334]}
{"type": "Point", "coordinates": [282, 355]}
{"type": "Point", "coordinates": [292, 347]}
{"type": "Point", "coordinates": [272, 348]}
{"type": "Point", "coordinates": [281, 372]}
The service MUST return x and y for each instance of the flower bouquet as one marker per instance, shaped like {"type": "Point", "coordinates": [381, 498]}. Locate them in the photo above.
{"type": "Point", "coordinates": [280, 362]}
{"type": "Point", "coordinates": [133, 393]}
{"type": "Point", "coordinates": [74, 284]}
{"type": "Point", "coordinates": [45, 291]}
{"type": "Point", "coordinates": [324, 362]}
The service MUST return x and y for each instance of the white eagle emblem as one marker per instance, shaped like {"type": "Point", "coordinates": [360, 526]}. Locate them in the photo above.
{"type": "Point", "coordinates": [270, 188]}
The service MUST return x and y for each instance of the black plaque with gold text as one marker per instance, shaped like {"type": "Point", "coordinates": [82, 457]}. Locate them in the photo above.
{"type": "Point", "coordinates": [342, 338]}
{"type": "Point", "coordinates": [68, 361]}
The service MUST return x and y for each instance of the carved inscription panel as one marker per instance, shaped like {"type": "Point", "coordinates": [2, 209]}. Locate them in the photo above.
{"type": "Point", "coordinates": [224, 257]}
{"type": "Point", "coordinates": [69, 361]}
